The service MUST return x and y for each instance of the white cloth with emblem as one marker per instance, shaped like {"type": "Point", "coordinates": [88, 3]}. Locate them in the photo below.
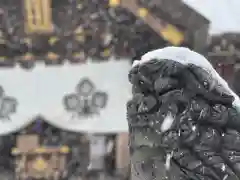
{"type": "Point", "coordinates": [40, 92]}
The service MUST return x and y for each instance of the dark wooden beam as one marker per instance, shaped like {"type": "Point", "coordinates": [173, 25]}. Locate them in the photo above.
{"type": "Point", "coordinates": [165, 30]}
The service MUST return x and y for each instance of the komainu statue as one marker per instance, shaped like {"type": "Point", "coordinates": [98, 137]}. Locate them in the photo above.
{"type": "Point", "coordinates": [184, 120]}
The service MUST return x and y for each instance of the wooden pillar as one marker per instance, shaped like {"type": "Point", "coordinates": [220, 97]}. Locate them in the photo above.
{"type": "Point", "coordinates": [122, 153]}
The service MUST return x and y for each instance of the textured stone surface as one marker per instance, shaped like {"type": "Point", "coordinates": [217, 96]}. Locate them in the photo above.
{"type": "Point", "coordinates": [180, 126]}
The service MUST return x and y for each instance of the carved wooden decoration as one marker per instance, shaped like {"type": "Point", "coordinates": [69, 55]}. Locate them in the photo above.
{"type": "Point", "coordinates": [55, 31]}
{"type": "Point", "coordinates": [37, 162]}
{"type": "Point", "coordinates": [38, 16]}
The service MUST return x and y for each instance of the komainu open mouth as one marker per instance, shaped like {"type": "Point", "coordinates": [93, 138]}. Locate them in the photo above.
{"type": "Point", "coordinates": [183, 123]}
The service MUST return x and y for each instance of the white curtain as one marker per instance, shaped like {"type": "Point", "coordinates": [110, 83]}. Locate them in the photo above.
{"type": "Point", "coordinates": [41, 92]}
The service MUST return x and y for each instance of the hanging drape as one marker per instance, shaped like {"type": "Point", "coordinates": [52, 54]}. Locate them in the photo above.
{"type": "Point", "coordinates": [88, 97]}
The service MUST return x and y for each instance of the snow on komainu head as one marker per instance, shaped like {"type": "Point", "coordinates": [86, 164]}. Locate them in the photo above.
{"type": "Point", "coordinates": [186, 57]}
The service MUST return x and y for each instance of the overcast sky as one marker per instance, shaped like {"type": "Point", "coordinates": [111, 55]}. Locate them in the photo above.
{"type": "Point", "coordinates": [223, 14]}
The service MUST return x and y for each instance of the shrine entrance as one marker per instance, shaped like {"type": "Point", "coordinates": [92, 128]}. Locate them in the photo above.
{"type": "Point", "coordinates": [41, 151]}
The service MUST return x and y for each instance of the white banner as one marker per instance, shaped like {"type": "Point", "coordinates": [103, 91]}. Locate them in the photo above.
{"type": "Point", "coordinates": [81, 98]}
